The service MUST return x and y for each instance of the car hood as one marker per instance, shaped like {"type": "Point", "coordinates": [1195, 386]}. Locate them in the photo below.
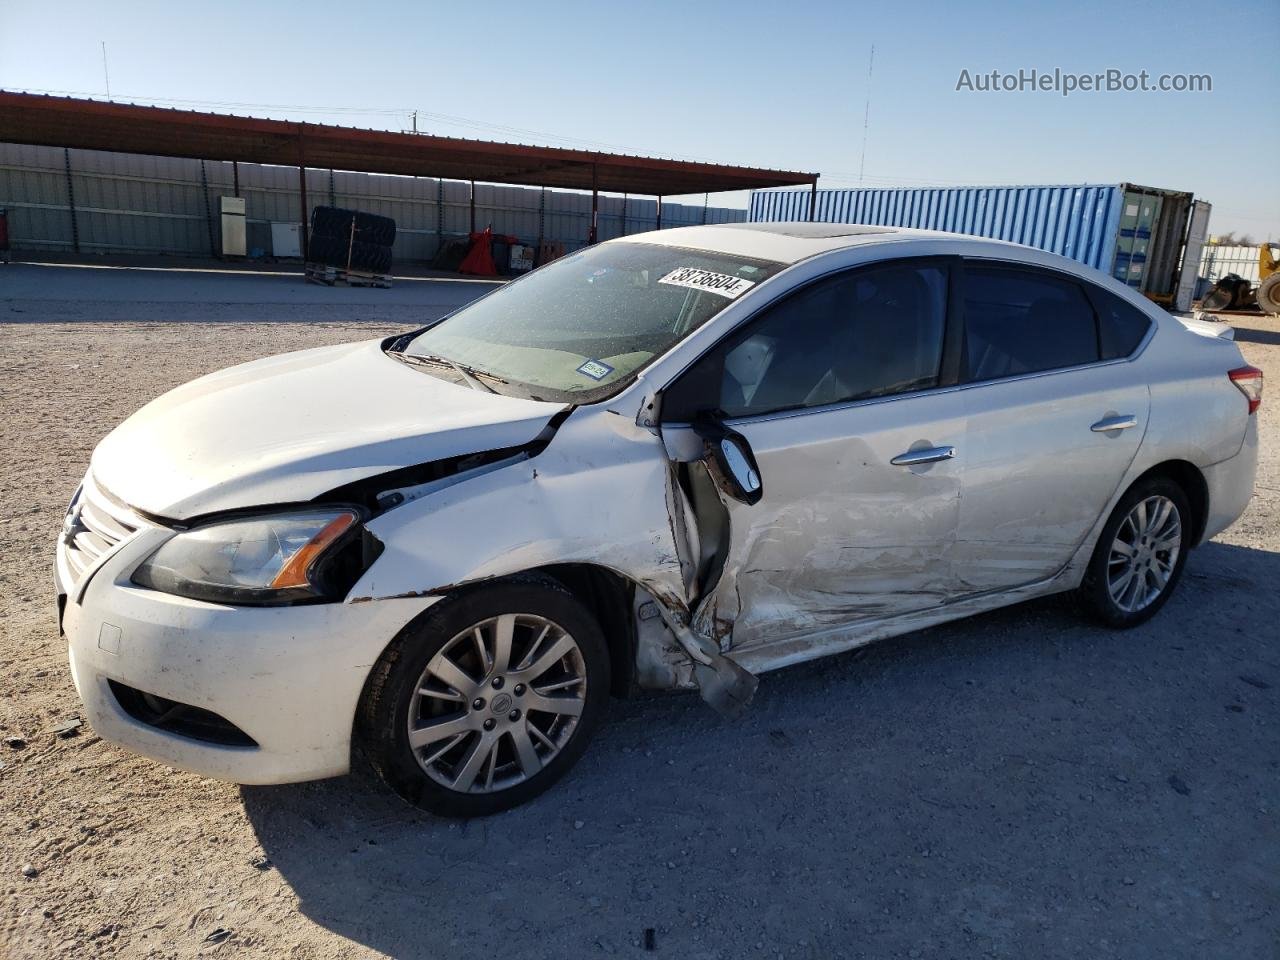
{"type": "Point", "coordinates": [289, 428]}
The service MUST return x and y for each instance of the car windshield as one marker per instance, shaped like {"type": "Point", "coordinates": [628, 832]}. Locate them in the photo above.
{"type": "Point", "coordinates": [577, 329]}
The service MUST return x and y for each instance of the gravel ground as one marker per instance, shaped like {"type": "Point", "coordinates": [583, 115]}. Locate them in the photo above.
{"type": "Point", "coordinates": [1017, 785]}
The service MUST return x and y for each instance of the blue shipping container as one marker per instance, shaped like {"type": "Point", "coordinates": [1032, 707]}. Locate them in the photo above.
{"type": "Point", "coordinates": [1094, 224]}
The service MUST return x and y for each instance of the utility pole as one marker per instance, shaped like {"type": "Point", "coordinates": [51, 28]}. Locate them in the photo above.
{"type": "Point", "coordinates": [105, 75]}
{"type": "Point", "coordinates": [866, 115]}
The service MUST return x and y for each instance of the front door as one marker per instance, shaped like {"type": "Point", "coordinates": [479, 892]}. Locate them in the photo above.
{"type": "Point", "coordinates": [834, 387]}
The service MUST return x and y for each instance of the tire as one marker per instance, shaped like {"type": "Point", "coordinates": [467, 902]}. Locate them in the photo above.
{"type": "Point", "coordinates": [371, 228]}
{"type": "Point", "coordinates": [1268, 295]}
{"type": "Point", "coordinates": [370, 257]}
{"type": "Point", "coordinates": [336, 223]}
{"type": "Point", "coordinates": [327, 250]}
{"type": "Point", "coordinates": [335, 252]}
{"type": "Point", "coordinates": [331, 222]}
{"type": "Point", "coordinates": [429, 771]}
{"type": "Point", "coordinates": [1103, 592]}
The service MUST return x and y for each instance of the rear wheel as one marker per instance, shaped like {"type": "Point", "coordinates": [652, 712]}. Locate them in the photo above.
{"type": "Point", "coordinates": [1139, 557]}
{"type": "Point", "coordinates": [488, 700]}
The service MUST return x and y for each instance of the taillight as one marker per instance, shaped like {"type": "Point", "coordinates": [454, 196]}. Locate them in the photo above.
{"type": "Point", "coordinates": [1249, 382]}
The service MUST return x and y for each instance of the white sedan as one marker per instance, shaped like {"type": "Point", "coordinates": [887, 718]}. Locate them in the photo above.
{"type": "Point", "coordinates": [671, 461]}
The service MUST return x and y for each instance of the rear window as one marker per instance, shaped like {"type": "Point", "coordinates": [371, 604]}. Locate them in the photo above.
{"type": "Point", "coordinates": [1121, 326]}
{"type": "Point", "coordinates": [1023, 321]}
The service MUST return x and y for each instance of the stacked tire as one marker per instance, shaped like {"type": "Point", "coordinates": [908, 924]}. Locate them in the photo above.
{"type": "Point", "coordinates": [364, 238]}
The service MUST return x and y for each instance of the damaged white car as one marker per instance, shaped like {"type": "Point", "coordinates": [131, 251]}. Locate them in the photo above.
{"type": "Point", "coordinates": [676, 460]}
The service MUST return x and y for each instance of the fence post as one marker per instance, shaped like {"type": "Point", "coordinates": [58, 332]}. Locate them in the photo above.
{"type": "Point", "coordinates": [208, 210]}
{"type": "Point", "coordinates": [302, 195]}
{"type": "Point", "coordinates": [593, 233]}
{"type": "Point", "coordinates": [542, 217]}
{"type": "Point", "coordinates": [439, 215]}
{"type": "Point", "coordinates": [71, 202]}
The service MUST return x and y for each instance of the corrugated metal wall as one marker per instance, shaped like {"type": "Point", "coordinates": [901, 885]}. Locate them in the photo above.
{"type": "Point", "coordinates": [1079, 222]}
{"type": "Point", "coordinates": [1217, 260]}
{"type": "Point", "coordinates": [126, 203]}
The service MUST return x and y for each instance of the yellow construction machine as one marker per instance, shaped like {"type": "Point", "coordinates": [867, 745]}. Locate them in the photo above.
{"type": "Point", "coordinates": [1268, 292]}
{"type": "Point", "coordinates": [1234, 292]}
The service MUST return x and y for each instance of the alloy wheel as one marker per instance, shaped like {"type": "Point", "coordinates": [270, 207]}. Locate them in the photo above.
{"type": "Point", "coordinates": [1144, 553]}
{"type": "Point", "coordinates": [497, 703]}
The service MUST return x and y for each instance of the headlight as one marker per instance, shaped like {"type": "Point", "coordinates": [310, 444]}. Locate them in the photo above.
{"type": "Point", "coordinates": [281, 558]}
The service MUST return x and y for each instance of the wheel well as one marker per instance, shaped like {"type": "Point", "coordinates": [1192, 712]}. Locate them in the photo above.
{"type": "Point", "coordinates": [611, 599]}
{"type": "Point", "coordinates": [1191, 480]}
{"type": "Point", "coordinates": [608, 595]}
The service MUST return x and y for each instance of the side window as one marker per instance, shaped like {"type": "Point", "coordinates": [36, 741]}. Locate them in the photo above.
{"type": "Point", "coordinates": [1121, 326]}
{"type": "Point", "coordinates": [1022, 321]}
{"type": "Point", "coordinates": [866, 333]}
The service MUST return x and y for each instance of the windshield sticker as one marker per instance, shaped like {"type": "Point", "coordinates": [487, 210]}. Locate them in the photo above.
{"type": "Point", "coordinates": [719, 283]}
{"type": "Point", "coordinates": [595, 369]}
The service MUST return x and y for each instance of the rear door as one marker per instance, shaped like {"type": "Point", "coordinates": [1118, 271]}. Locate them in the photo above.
{"type": "Point", "coordinates": [1054, 418]}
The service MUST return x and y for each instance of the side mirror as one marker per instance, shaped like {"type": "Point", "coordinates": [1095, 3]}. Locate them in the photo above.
{"type": "Point", "coordinates": [733, 464]}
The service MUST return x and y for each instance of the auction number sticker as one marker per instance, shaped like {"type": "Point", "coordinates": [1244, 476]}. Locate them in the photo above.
{"type": "Point", "coordinates": [718, 283]}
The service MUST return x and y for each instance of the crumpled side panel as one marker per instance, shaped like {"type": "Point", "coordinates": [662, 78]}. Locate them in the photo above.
{"type": "Point", "coordinates": [841, 534]}
{"type": "Point", "coordinates": [599, 493]}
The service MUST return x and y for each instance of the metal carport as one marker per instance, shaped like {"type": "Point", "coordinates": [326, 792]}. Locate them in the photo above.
{"type": "Point", "coordinates": [128, 128]}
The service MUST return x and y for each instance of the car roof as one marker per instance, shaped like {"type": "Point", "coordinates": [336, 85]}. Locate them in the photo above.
{"type": "Point", "coordinates": [792, 241]}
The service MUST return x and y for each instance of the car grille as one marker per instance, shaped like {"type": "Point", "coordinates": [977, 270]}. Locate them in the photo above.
{"type": "Point", "coordinates": [94, 527]}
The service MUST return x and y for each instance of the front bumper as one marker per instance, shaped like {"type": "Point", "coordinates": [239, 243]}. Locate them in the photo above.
{"type": "Point", "coordinates": [288, 677]}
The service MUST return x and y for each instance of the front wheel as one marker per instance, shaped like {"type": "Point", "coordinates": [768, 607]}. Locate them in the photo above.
{"type": "Point", "coordinates": [1140, 554]}
{"type": "Point", "coordinates": [488, 700]}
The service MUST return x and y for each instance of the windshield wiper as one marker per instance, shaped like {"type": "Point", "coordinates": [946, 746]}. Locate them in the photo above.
{"type": "Point", "coordinates": [467, 373]}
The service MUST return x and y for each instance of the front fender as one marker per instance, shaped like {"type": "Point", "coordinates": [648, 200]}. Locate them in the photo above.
{"type": "Point", "coordinates": [598, 493]}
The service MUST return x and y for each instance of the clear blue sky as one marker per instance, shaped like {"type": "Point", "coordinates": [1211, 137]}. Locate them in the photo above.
{"type": "Point", "coordinates": [764, 84]}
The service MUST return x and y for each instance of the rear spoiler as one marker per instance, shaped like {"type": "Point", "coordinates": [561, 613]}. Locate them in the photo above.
{"type": "Point", "coordinates": [1214, 329]}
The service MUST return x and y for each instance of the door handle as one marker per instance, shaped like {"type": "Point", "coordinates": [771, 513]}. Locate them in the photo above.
{"type": "Point", "coordinates": [928, 455]}
{"type": "Point", "coordinates": [1122, 422]}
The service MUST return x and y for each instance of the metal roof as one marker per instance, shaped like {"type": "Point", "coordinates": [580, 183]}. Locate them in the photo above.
{"type": "Point", "coordinates": [129, 128]}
